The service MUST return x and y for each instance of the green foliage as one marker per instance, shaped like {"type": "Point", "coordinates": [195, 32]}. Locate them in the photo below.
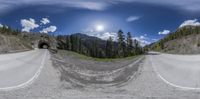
{"type": "Point", "coordinates": [110, 48]}
{"type": "Point", "coordinates": [90, 46]}
{"type": "Point", "coordinates": [121, 44]}
{"type": "Point", "coordinates": [95, 47]}
{"type": "Point", "coordinates": [129, 45]}
{"type": "Point", "coordinates": [182, 32]}
{"type": "Point", "coordinates": [81, 56]}
{"type": "Point", "coordinates": [6, 30]}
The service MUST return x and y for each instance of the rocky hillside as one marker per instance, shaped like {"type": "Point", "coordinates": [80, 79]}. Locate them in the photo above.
{"type": "Point", "coordinates": [13, 40]}
{"type": "Point", "coordinates": [185, 40]}
{"type": "Point", "coordinates": [10, 43]}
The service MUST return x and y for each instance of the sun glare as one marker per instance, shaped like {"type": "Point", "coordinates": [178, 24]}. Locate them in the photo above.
{"type": "Point", "coordinates": [99, 28]}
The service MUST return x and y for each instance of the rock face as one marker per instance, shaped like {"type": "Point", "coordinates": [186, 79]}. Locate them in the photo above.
{"type": "Point", "coordinates": [185, 45]}
{"type": "Point", "coordinates": [13, 44]}
{"type": "Point", "coordinates": [185, 40]}
{"type": "Point", "coordinates": [45, 41]}
{"type": "Point", "coordinates": [26, 41]}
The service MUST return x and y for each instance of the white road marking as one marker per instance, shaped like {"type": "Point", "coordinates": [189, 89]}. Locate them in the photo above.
{"type": "Point", "coordinates": [168, 82]}
{"type": "Point", "coordinates": [30, 81]}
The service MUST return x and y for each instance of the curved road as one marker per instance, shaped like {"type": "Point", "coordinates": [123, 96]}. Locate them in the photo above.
{"type": "Point", "coordinates": [20, 69]}
{"type": "Point", "coordinates": [182, 71]}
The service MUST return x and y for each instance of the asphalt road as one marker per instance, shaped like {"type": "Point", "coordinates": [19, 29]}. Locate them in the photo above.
{"type": "Point", "coordinates": [20, 69]}
{"type": "Point", "coordinates": [157, 77]}
{"type": "Point", "coordinates": [182, 71]}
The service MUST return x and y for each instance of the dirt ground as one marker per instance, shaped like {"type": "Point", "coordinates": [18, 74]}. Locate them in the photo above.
{"type": "Point", "coordinates": [89, 73]}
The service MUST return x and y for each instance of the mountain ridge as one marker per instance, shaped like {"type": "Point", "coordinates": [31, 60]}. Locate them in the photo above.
{"type": "Point", "coordinates": [185, 40]}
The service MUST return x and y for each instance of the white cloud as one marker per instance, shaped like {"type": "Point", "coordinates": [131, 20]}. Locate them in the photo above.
{"type": "Point", "coordinates": [164, 32]}
{"type": "Point", "coordinates": [28, 25]}
{"type": "Point", "coordinates": [189, 5]}
{"type": "Point", "coordinates": [100, 34]}
{"type": "Point", "coordinates": [49, 29]}
{"type": "Point", "coordinates": [82, 4]}
{"type": "Point", "coordinates": [89, 4]}
{"type": "Point", "coordinates": [190, 23]}
{"type": "Point", "coordinates": [142, 37]}
{"type": "Point", "coordinates": [1, 25]}
{"type": "Point", "coordinates": [132, 18]}
{"type": "Point", "coordinates": [107, 35]}
{"type": "Point", "coordinates": [143, 41]}
{"type": "Point", "coordinates": [45, 21]}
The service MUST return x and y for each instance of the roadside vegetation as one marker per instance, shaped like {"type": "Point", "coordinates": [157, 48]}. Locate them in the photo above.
{"type": "Point", "coordinates": [13, 40]}
{"type": "Point", "coordinates": [83, 44]}
{"type": "Point", "coordinates": [28, 40]}
{"type": "Point", "coordinates": [125, 46]}
{"type": "Point", "coordinates": [6, 30]}
{"type": "Point", "coordinates": [84, 57]}
{"type": "Point", "coordinates": [180, 33]}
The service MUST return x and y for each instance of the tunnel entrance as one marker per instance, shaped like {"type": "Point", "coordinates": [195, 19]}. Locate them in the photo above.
{"type": "Point", "coordinates": [43, 45]}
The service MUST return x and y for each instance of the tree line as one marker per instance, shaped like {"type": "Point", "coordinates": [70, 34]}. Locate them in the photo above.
{"type": "Point", "coordinates": [6, 30]}
{"type": "Point", "coordinates": [182, 32]}
{"type": "Point", "coordinates": [125, 46]}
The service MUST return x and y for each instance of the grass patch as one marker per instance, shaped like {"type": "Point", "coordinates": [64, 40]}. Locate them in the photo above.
{"type": "Point", "coordinates": [81, 56]}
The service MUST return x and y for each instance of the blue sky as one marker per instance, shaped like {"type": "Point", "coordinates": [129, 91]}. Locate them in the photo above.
{"type": "Point", "coordinates": [147, 20]}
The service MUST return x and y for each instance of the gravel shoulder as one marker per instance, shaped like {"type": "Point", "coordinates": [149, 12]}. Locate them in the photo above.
{"type": "Point", "coordinates": [55, 83]}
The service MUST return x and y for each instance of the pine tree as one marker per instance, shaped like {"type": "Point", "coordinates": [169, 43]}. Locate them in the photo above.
{"type": "Point", "coordinates": [69, 45]}
{"type": "Point", "coordinates": [16, 32]}
{"type": "Point", "coordinates": [94, 49]}
{"type": "Point", "coordinates": [72, 43]}
{"type": "Point", "coordinates": [121, 44]}
{"type": "Point", "coordinates": [109, 48]}
{"type": "Point", "coordinates": [136, 47]}
{"type": "Point", "coordinates": [80, 45]}
{"type": "Point", "coordinates": [129, 44]}
{"type": "Point", "coordinates": [77, 44]}
{"type": "Point", "coordinates": [4, 28]}
{"type": "Point", "coordinates": [9, 30]}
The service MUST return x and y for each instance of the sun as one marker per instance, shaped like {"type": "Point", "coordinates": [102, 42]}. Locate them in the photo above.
{"type": "Point", "coordinates": [100, 28]}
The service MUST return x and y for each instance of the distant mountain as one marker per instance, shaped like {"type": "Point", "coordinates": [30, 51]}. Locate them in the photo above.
{"type": "Point", "coordinates": [86, 37]}
{"type": "Point", "coordinates": [14, 40]}
{"type": "Point", "coordinates": [89, 39]}
{"type": "Point", "coordinates": [185, 40]}
{"type": "Point", "coordinates": [82, 43]}
{"type": "Point", "coordinates": [96, 47]}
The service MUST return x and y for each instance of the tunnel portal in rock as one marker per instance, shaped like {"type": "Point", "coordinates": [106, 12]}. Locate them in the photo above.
{"type": "Point", "coordinates": [43, 45]}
